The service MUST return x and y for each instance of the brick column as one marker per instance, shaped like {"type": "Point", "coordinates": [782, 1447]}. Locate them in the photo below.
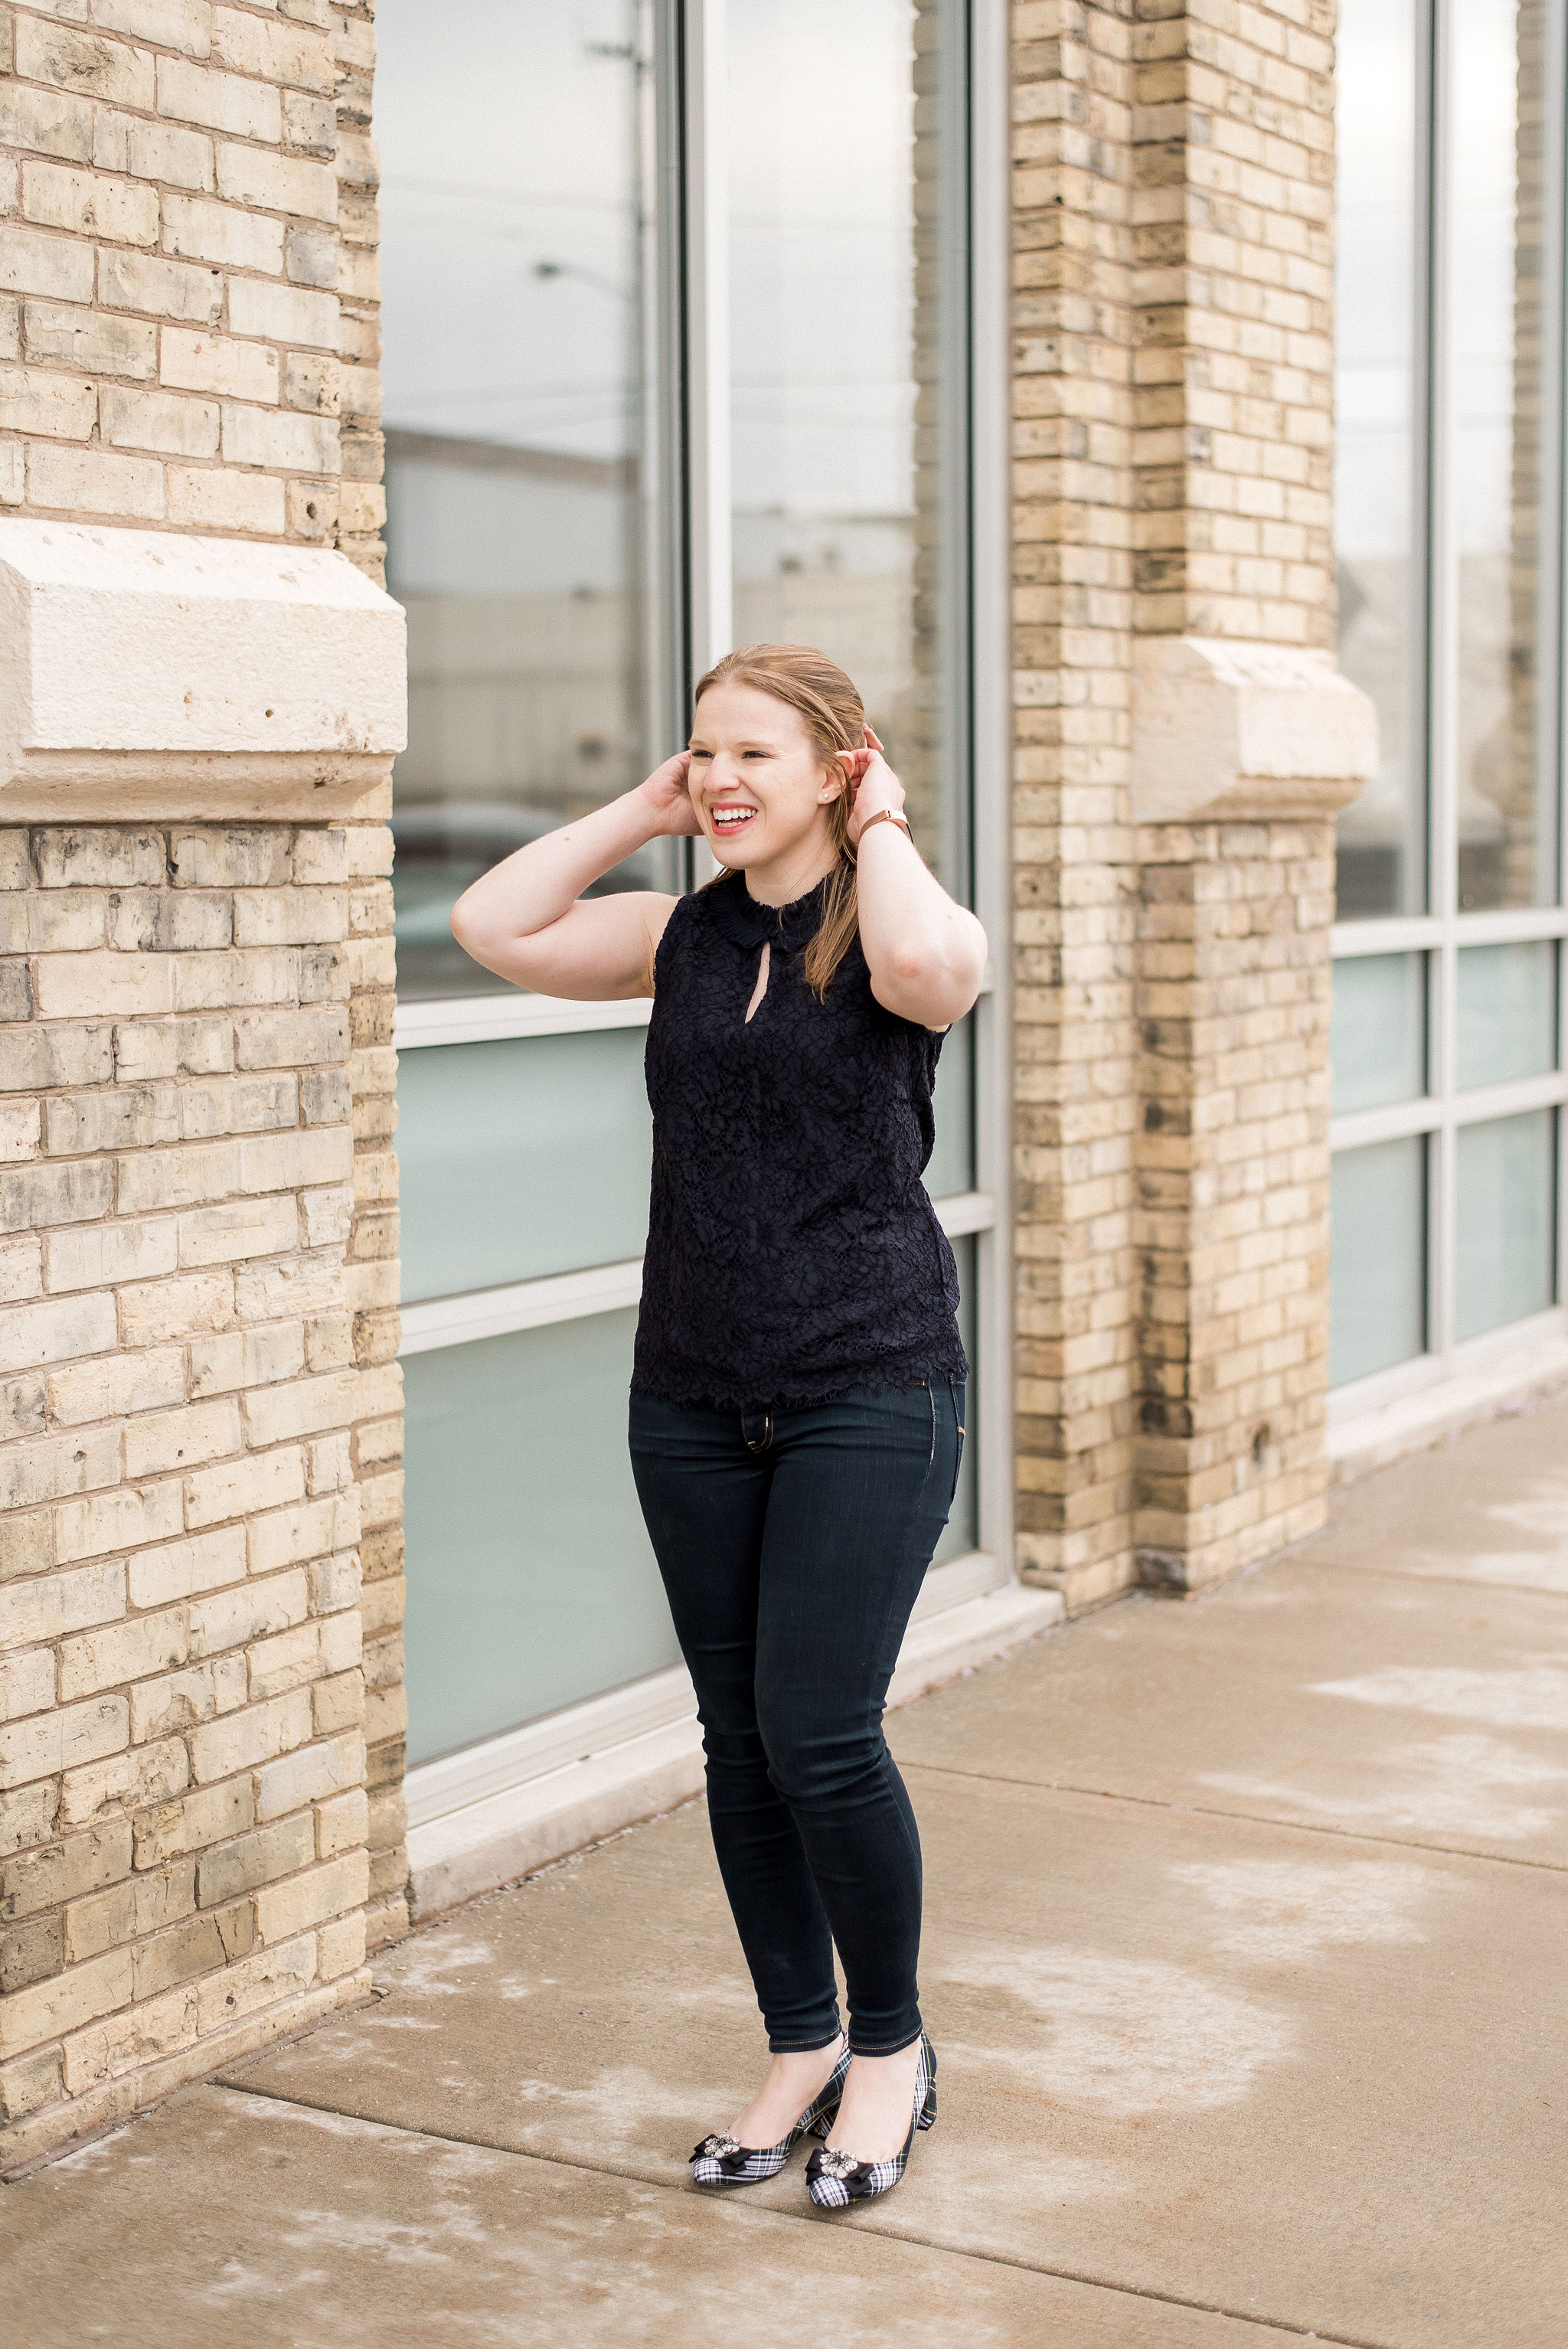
{"type": "Point", "coordinates": [184, 1869]}
{"type": "Point", "coordinates": [1075, 882]}
{"type": "Point", "coordinates": [198, 1392]}
{"type": "Point", "coordinates": [1187, 742]}
{"type": "Point", "coordinates": [1234, 160]}
{"type": "Point", "coordinates": [373, 1269]}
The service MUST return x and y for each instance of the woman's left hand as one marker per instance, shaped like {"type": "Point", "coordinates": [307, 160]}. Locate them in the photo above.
{"type": "Point", "coordinates": [873, 785]}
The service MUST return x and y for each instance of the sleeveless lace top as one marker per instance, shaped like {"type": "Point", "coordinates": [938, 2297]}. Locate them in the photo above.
{"type": "Point", "coordinates": [793, 1250]}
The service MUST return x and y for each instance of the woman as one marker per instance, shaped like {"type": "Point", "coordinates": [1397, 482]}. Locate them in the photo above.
{"type": "Point", "coordinates": [796, 1414]}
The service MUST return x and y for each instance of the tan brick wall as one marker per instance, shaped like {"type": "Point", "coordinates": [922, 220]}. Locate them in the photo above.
{"type": "Point", "coordinates": [200, 1708]}
{"type": "Point", "coordinates": [1076, 881]}
{"type": "Point", "coordinates": [1172, 390]}
{"type": "Point", "coordinates": [187, 269]}
{"type": "Point", "coordinates": [1233, 138]}
{"type": "Point", "coordinates": [1232, 1176]}
{"type": "Point", "coordinates": [182, 1815]}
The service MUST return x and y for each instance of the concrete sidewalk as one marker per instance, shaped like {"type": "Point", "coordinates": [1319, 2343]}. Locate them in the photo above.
{"type": "Point", "coordinates": [1245, 1963]}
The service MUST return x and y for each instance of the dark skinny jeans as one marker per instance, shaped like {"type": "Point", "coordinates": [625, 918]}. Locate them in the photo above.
{"type": "Point", "coordinates": [793, 1546]}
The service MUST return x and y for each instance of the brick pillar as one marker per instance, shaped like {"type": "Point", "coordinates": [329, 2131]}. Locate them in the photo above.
{"type": "Point", "coordinates": [373, 1270]}
{"type": "Point", "coordinates": [1235, 163]}
{"type": "Point", "coordinates": [1075, 882]}
{"type": "Point", "coordinates": [184, 1869]}
{"type": "Point", "coordinates": [1183, 742]}
{"type": "Point", "coordinates": [198, 1392]}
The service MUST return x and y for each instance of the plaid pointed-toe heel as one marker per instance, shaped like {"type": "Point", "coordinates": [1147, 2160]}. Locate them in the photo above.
{"type": "Point", "coordinates": [723, 2160]}
{"type": "Point", "coordinates": [835, 2178]}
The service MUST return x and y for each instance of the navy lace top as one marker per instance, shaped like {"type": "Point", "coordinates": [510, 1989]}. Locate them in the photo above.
{"type": "Point", "coordinates": [793, 1250]}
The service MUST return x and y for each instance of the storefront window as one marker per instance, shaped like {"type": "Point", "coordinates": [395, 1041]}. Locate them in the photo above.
{"type": "Point", "coordinates": [1447, 1050]}
{"type": "Point", "coordinates": [558, 390]}
{"type": "Point", "coordinates": [516, 138]}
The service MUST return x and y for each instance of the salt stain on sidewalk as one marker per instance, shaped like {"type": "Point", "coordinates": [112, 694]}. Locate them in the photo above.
{"type": "Point", "coordinates": [1245, 1969]}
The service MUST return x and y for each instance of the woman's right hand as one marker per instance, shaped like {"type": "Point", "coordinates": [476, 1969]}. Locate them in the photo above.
{"type": "Point", "coordinates": [669, 801]}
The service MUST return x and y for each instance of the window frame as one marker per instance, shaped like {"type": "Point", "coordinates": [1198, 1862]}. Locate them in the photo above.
{"type": "Point", "coordinates": [1445, 931]}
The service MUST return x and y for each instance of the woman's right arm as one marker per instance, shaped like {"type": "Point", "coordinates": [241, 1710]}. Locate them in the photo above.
{"type": "Point", "coordinates": [528, 920]}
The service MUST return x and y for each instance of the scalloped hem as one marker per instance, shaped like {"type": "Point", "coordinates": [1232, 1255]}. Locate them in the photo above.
{"type": "Point", "coordinates": [804, 1398]}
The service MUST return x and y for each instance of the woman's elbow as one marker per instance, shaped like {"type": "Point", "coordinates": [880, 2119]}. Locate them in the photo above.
{"type": "Point", "coordinates": [475, 936]}
{"type": "Point", "coordinates": [468, 925]}
{"type": "Point", "coordinates": [952, 972]}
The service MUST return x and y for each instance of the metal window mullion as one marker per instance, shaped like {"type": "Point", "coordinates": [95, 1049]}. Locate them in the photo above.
{"type": "Point", "coordinates": [1555, 406]}
{"type": "Point", "coordinates": [1364, 1129]}
{"type": "Point", "coordinates": [664, 248]}
{"type": "Point", "coordinates": [706, 279]}
{"type": "Point", "coordinates": [1398, 933]}
{"type": "Point", "coordinates": [1442, 669]}
{"type": "Point", "coordinates": [1420, 839]}
{"type": "Point", "coordinates": [1516, 1098]}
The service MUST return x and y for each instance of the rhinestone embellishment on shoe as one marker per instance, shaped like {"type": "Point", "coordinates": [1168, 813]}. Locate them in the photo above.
{"type": "Point", "coordinates": [833, 2161]}
{"type": "Point", "coordinates": [717, 2149]}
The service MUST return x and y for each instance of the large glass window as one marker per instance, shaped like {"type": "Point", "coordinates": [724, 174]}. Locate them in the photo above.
{"type": "Point", "coordinates": [567, 220]}
{"type": "Point", "coordinates": [1378, 400]}
{"type": "Point", "coordinates": [1448, 1079]}
{"type": "Point", "coordinates": [517, 320]}
{"type": "Point", "coordinates": [1497, 311]}
{"type": "Point", "coordinates": [849, 366]}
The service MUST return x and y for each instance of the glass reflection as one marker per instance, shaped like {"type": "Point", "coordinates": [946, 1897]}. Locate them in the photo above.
{"type": "Point", "coordinates": [1381, 866]}
{"type": "Point", "coordinates": [1498, 242]}
{"type": "Point", "coordinates": [515, 148]}
{"type": "Point", "coordinates": [847, 350]}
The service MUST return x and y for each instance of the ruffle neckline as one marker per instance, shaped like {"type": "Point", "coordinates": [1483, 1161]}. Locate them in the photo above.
{"type": "Point", "coordinates": [739, 916]}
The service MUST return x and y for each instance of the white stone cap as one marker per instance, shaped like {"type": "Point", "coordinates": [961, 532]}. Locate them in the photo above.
{"type": "Point", "coordinates": [154, 662]}
{"type": "Point", "coordinates": [1223, 729]}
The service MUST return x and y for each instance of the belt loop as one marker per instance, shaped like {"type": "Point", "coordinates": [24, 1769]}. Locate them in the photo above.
{"type": "Point", "coordinates": [931, 1390]}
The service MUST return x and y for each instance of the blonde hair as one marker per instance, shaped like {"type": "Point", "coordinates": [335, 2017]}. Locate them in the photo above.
{"type": "Point", "coordinates": [835, 716]}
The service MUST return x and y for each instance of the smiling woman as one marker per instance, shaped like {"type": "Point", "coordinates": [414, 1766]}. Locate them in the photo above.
{"type": "Point", "coordinates": [797, 1389]}
{"type": "Point", "coordinates": [777, 780]}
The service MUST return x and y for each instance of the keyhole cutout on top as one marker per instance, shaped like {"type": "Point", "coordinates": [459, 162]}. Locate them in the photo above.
{"type": "Point", "coordinates": [760, 990]}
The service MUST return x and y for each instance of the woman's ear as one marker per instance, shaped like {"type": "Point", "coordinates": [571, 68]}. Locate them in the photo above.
{"type": "Point", "coordinates": [835, 777]}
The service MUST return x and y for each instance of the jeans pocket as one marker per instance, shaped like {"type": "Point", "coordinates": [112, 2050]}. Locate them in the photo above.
{"type": "Point", "coordinates": [955, 1388]}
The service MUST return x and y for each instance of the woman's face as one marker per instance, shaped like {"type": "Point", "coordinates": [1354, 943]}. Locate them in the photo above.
{"type": "Point", "coordinates": [757, 779]}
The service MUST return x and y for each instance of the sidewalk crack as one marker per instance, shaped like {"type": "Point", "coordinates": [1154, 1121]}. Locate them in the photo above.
{"type": "Point", "coordinates": [1282, 2324]}
{"type": "Point", "coordinates": [1246, 1818]}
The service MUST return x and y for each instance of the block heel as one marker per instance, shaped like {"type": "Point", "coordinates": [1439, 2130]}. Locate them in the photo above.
{"type": "Point", "coordinates": [834, 2179]}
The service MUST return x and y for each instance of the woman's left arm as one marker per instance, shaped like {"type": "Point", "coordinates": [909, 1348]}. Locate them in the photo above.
{"type": "Point", "coordinates": [925, 953]}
